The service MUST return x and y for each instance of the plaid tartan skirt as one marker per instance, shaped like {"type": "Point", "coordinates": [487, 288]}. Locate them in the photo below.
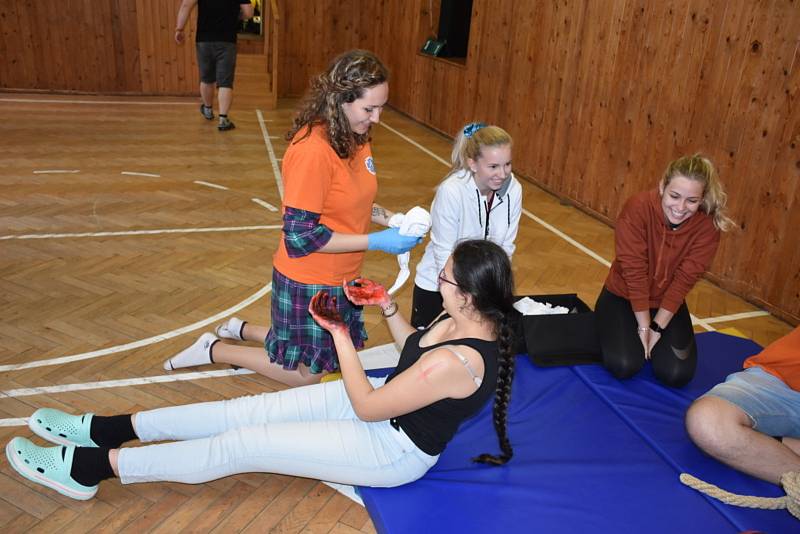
{"type": "Point", "coordinates": [294, 337]}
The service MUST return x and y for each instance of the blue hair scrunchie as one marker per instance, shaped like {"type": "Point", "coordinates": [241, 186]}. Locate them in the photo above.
{"type": "Point", "coordinates": [471, 128]}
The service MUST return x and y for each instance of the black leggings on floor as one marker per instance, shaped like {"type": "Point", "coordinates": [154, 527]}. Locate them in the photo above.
{"type": "Point", "coordinates": [674, 356]}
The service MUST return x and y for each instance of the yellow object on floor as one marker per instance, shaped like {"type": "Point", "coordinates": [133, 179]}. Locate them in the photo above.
{"type": "Point", "coordinates": [330, 377]}
{"type": "Point", "coordinates": [731, 331]}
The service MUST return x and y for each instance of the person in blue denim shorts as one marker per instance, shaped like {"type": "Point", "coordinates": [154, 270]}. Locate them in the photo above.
{"type": "Point", "coordinates": [217, 25]}
{"type": "Point", "coordinates": [752, 420]}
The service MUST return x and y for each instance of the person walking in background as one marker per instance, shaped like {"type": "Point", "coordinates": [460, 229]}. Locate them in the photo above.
{"type": "Point", "coordinates": [217, 25]}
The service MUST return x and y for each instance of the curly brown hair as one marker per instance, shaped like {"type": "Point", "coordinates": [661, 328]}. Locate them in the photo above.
{"type": "Point", "coordinates": [344, 81]}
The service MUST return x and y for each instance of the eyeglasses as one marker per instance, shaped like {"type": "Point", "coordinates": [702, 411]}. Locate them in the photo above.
{"type": "Point", "coordinates": [445, 280]}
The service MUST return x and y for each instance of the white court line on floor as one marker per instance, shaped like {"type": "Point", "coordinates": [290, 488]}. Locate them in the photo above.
{"type": "Point", "coordinates": [132, 173]}
{"type": "Point", "coordinates": [276, 170]}
{"type": "Point", "coordinates": [264, 204]}
{"type": "Point", "coordinates": [209, 184]}
{"type": "Point", "coordinates": [142, 342]}
{"type": "Point", "coordinates": [568, 239]}
{"type": "Point", "coordinates": [114, 102]}
{"type": "Point", "coordinates": [380, 357]}
{"type": "Point", "coordinates": [57, 171]}
{"type": "Point", "coordinates": [147, 232]}
{"type": "Point", "coordinates": [735, 316]}
{"type": "Point", "coordinates": [408, 139]}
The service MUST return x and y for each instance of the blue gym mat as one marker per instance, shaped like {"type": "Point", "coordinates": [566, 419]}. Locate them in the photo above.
{"type": "Point", "coordinates": [591, 454]}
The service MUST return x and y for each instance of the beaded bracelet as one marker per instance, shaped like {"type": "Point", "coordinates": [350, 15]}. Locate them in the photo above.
{"type": "Point", "coordinates": [387, 315]}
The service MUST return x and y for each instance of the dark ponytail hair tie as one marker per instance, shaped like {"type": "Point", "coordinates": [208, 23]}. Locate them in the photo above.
{"type": "Point", "coordinates": [471, 128]}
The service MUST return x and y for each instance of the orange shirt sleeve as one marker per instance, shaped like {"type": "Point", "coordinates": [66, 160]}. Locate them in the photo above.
{"type": "Point", "coordinates": [307, 175]}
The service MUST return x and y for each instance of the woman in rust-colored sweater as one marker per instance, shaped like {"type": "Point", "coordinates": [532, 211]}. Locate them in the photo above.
{"type": "Point", "coordinates": [665, 240]}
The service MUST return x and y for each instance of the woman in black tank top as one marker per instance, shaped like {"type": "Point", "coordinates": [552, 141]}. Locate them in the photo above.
{"type": "Point", "coordinates": [448, 371]}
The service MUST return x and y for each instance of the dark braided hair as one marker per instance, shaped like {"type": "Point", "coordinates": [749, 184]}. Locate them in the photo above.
{"type": "Point", "coordinates": [482, 269]}
{"type": "Point", "coordinates": [344, 81]}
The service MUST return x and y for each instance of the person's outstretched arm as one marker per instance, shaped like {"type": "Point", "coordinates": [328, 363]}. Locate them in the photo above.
{"type": "Point", "coordinates": [364, 292]}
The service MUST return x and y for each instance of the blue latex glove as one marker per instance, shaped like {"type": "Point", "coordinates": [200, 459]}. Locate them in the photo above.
{"type": "Point", "coordinates": [391, 241]}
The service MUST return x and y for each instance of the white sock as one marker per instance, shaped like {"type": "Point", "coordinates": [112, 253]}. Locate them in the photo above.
{"type": "Point", "coordinates": [199, 353]}
{"type": "Point", "coordinates": [231, 329]}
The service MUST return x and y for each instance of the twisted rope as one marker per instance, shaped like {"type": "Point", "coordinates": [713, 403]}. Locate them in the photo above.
{"type": "Point", "coordinates": [790, 482]}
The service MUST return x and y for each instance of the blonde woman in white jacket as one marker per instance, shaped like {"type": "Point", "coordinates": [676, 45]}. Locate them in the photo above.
{"type": "Point", "coordinates": [479, 199]}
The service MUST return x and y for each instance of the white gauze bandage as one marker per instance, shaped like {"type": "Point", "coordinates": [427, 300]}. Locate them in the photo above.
{"type": "Point", "coordinates": [416, 222]}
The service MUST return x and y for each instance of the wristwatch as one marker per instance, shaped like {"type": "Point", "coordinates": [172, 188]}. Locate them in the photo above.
{"type": "Point", "coordinates": [655, 327]}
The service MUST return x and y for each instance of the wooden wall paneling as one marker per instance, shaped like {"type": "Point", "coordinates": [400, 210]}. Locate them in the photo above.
{"type": "Point", "coordinates": [38, 70]}
{"type": "Point", "coordinates": [527, 87]}
{"type": "Point", "coordinates": [313, 33]}
{"type": "Point", "coordinates": [6, 66]}
{"type": "Point", "coordinates": [152, 76]}
{"type": "Point", "coordinates": [167, 48]}
{"type": "Point", "coordinates": [131, 45]}
{"type": "Point", "coordinates": [22, 44]}
{"type": "Point", "coordinates": [146, 46]}
{"type": "Point", "coordinates": [188, 51]}
{"type": "Point", "coordinates": [473, 68]}
{"type": "Point", "coordinates": [565, 72]}
{"type": "Point", "coordinates": [599, 163]}
{"type": "Point", "coordinates": [786, 290]}
{"type": "Point", "coordinates": [28, 15]}
{"type": "Point", "coordinates": [584, 75]}
{"type": "Point", "coordinates": [653, 144]}
{"type": "Point", "coordinates": [625, 89]}
{"type": "Point", "coordinates": [99, 63]}
{"type": "Point", "coordinates": [745, 114]}
{"type": "Point", "coordinates": [556, 70]}
{"type": "Point", "coordinates": [82, 45]}
{"type": "Point", "coordinates": [116, 30]}
{"type": "Point", "coordinates": [767, 112]}
{"type": "Point", "coordinates": [721, 123]}
{"type": "Point", "coordinates": [114, 81]}
{"type": "Point", "coordinates": [491, 66]}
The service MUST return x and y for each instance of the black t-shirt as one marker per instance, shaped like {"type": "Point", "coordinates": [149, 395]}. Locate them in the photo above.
{"type": "Point", "coordinates": [432, 427]}
{"type": "Point", "coordinates": [218, 20]}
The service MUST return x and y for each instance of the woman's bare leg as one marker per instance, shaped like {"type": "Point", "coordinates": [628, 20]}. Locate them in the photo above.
{"type": "Point", "coordinates": [255, 332]}
{"type": "Point", "coordinates": [255, 359]}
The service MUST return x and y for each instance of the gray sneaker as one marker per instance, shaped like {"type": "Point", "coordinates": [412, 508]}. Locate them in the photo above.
{"type": "Point", "coordinates": [225, 124]}
{"type": "Point", "coordinates": [207, 112]}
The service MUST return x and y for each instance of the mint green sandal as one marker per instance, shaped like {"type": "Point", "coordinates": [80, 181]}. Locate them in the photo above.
{"type": "Point", "coordinates": [48, 466]}
{"type": "Point", "coordinates": [62, 428]}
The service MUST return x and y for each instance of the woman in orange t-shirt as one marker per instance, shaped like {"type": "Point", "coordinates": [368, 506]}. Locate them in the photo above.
{"type": "Point", "coordinates": [328, 206]}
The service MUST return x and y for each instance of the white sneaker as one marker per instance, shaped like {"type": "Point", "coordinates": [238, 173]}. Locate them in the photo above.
{"type": "Point", "coordinates": [231, 329]}
{"type": "Point", "coordinates": [199, 353]}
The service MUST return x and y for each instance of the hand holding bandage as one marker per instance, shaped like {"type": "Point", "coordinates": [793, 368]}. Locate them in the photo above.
{"type": "Point", "coordinates": [416, 222]}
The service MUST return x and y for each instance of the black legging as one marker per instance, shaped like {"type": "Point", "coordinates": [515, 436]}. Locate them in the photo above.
{"type": "Point", "coordinates": [674, 356]}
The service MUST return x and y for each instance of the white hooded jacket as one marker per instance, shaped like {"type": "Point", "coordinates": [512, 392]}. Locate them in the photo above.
{"type": "Point", "coordinates": [459, 212]}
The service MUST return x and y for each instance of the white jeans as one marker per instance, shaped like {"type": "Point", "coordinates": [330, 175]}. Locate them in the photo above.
{"type": "Point", "coordinates": [310, 431]}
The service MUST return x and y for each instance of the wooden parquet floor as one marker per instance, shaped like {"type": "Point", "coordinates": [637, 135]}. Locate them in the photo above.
{"type": "Point", "coordinates": [108, 270]}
